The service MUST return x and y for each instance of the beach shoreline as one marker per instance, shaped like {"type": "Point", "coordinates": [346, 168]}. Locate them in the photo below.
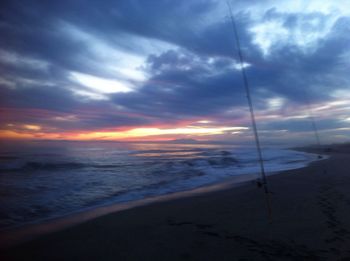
{"type": "Point", "coordinates": [26, 232]}
{"type": "Point", "coordinates": [168, 216]}
{"type": "Point", "coordinates": [42, 188]}
{"type": "Point", "coordinates": [23, 233]}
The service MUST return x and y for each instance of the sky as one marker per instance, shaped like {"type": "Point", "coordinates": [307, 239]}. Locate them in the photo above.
{"type": "Point", "coordinates": [165, 69]}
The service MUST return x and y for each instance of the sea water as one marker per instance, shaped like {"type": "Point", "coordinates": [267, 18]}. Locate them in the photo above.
{"type": "Point", "coordinates": [43, 180]}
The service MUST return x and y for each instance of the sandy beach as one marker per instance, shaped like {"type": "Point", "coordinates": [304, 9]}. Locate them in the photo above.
{"type": "Point", "coordinates": [310, 221]}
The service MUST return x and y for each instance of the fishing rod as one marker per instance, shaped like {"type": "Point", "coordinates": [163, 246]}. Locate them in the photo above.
{"type": "Point", "coordinates": [313, 123]}
{"type": "Point", "coordinates": [252, 116]}
{"type": "Point", "coordinates": [314, 127]}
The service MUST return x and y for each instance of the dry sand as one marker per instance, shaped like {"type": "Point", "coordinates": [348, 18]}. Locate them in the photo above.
{"type": "Point", "coordinates": [311, 221]}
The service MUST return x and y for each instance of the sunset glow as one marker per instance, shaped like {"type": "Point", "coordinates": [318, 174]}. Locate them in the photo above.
{"type": "Point", "coordinates": [113, 77]}
{"type": "Point", "coordinates": [121, 135]}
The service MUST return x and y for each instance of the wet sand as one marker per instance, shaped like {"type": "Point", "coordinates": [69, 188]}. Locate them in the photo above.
{"type": "Point", "coordinates": [310, 221]}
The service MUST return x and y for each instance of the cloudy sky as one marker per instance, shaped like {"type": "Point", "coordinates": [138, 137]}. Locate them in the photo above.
{"type": "Point", "coordinates": [168, 69]}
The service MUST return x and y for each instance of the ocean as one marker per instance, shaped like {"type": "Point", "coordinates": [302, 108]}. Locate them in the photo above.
{"type": "Point", "coordinates": [45, 180]}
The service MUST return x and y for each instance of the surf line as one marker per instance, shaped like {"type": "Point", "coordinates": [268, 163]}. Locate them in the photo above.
{"type": "Point", "coordinates": [263, 181]}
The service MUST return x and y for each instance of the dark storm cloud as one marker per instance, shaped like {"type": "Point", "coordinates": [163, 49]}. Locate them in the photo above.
{"type": "Point", "coordinates": [185, 85]}
{"type": "Point", "coordinates": [195, 78]}
{"type": "Point", "coordinates": [41, 97]}
{"type": "Point", "coordinates": [49, 106]}
{"type": "Point", "coordinates": [36, 29]}
{"type": "Point", "coordinates": [32, 33]}
{"type": "Point", "coordinates": [289, 72]}
{"type": "Point", "coordinates": [304, 125]}
{"type": "Point", "coordinates": [304, 76]}
{"type": "Point", "coordinates": [167, 20]}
